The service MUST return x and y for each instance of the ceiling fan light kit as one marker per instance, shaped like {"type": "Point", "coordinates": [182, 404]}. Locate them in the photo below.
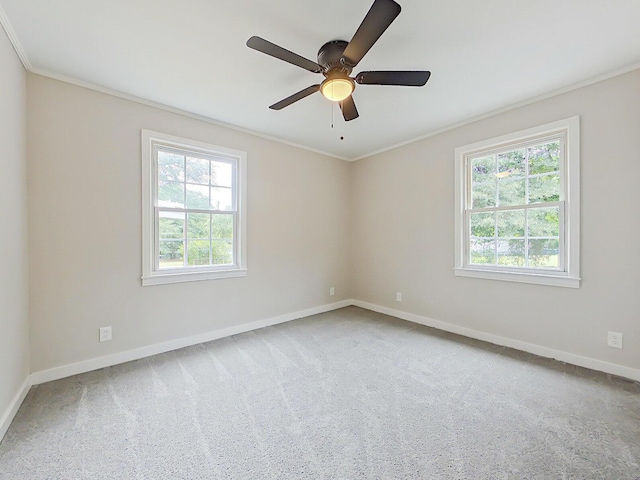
{"type": "Point", "coordinates": [337, 89]}
{"type": "Point", "coordinates": [337, 58]}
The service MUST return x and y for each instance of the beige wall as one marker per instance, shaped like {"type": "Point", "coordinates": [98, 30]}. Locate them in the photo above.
{"type": "Point", "coordinates": [403, 224]}
{"type": "Point", "coordinates": [85, 229]}
{"type": "Point", "coordinates": [14, 327]}
{"type": "Point", "coordinates": [371, 228]}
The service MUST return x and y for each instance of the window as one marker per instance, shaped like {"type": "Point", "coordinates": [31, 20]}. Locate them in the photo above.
{"type": "Point", "coordinates": [194, 219]}
{"type": "Point", "coordinates": [517, 206]}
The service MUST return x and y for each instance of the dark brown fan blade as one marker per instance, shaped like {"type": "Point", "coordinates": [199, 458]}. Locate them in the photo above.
{"type": "Point", "coordinates": [295, 97]}
{"type": "Point", "coordinates": [381, 14]}
{"type": "Point", "coordinates": [406, 78]}
{"type": "Point", "coordinates": [349, 110]}
{"type": "Point", "coordinates": [264, 46]}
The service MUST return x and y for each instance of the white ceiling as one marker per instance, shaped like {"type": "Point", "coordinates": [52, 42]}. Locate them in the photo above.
{"type": "Point", "coordinates": [484, 55]}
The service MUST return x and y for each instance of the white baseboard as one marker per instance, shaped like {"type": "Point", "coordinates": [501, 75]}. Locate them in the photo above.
{"type": "Point", "coordinates": [138, 353]}
{"type": "Point", "coordinates": [10, 413]}
{"type": "Point", "coordinates": [63, 371]}
{"type": "Point", "coordinates": [573, 359]}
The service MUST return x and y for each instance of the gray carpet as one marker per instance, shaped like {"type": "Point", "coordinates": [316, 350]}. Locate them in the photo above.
{"type": "Point", "coordinates": [349, 394]}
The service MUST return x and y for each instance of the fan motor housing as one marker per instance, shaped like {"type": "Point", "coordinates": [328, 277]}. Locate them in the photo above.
{"type": "Point", "coordinates": [329, 57]}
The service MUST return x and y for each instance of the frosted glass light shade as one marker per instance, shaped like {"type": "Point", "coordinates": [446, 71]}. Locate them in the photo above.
{"type": "Point", "coordinates": [337, 89]}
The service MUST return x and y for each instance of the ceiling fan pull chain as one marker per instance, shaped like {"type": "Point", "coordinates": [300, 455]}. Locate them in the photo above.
{"type": "Point", "coordinates": [333, 107]}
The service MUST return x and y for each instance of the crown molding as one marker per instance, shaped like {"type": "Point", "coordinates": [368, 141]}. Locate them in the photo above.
{"type": "Point", "coordinates": [4, 21]}
{"type": "Point", "coordinates": [168, 108]}
{"type": "Point", "coordinates": [13, 38]}
{"type": "Point", "coordinates": [514, 106]}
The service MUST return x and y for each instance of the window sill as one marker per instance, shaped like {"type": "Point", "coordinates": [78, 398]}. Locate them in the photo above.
{"type": "Point", "coordinates": [180, 277]}
{"type": "Point", "coordinates": [520, 277]}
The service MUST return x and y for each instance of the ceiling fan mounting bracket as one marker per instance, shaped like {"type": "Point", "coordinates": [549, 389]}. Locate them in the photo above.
{"type": "Point", "coordinates": [330, 58]}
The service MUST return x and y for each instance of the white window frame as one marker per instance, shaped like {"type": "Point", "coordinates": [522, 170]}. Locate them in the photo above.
{"type": "Point", "coordinates": [151, 273]}
{"type": "Point", "coordinates": [568, 275]}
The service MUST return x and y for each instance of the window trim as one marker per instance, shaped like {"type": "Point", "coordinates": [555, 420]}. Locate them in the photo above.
{"type": "Point", "coordinates": [570, 276]}
{"type": "Point", "coordinates": [151, 275]}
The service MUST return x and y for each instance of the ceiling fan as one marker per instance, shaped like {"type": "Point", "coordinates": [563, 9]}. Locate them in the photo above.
{"type": "Point", "coordinates": [337, 58]}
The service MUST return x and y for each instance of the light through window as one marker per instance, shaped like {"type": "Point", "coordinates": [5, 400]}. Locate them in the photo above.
{"type": "Point", "coordinates": [195, 210]}
{"type": "Point", "coordinates": [515, 207]}
{"type": "Point", "coordinates": [518, 206]}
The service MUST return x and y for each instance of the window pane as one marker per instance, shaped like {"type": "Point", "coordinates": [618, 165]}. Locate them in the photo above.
{"type": "Point", "coordinates": [171, 253]}
{"type": "Point", "coordinates": [544, 222]}
{"type": "Point", "coordinates": [511, 164]}
{"type": "Point", "coordinates": [511, 253]}
{"type": "Point", "coordinates": [544, 158]}
{"type": "Point", "coordinates": [198, 170]}
{"type": "Point", "coordinates": [170, 167]}
{"type": "Point", "coordinates": [198, 226]}
{"type": "Point", "coordinates": [510, 223]}
{"type": "Point", "coordinates": [222, 252]}
{"type": "Point", "coordinates": [222, 239]}
{"type": "Point", "coordinates": [544, 253]}
{"type": "Point", "coordinates": [222, 227]}
{"type": "Point", "coordinates": [171, 225]}
{"type": "Point", "coordinates": [222, 174]}
{"type": "Point", "coordinates": [170, 194]}
{"type": "Point", "coordinates": [483, 169]}
{"type": "Point", "coordinates": [483, 252]}
{"type": "Point", "coordinates": [483, 194]}
{"type": "Point", "coordinates": [511, 191]}
{"type": "Point", "coordinates": [545, 188]}
{"type": "Point", "coordinates": [483, 224]}
{"type": "Point", "coordinates": [198, 196]}
{"type": "Point", "coordinates": [221, 198]}
{"type": "Point", "coordinates": [198, 252]}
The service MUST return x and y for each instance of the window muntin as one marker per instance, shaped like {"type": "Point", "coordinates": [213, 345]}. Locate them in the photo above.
{"type": "Point", "coordinates": [514, 206]}
{"type": "Point", "coordinates": [194, 210]}
{"type": "Point", "coordinates": [517, 206]}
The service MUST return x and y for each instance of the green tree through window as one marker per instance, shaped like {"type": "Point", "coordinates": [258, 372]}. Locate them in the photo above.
{"type": "Point", "coordinates": [515, 212]}
{"type": "Point", "coordinates": [195, 210]}
{"type": "Point", "coordinates": [517, 206]}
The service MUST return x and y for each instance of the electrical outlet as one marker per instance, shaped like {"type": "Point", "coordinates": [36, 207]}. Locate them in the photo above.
{"type": "Point", "coordinates": [332, 291]}
{"type": "Point", "coordinates": [105, 334]}
{"type": "Point", "coordinates": [615, 340]}
{"type": "Point", "coordinates": [398, 297]}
